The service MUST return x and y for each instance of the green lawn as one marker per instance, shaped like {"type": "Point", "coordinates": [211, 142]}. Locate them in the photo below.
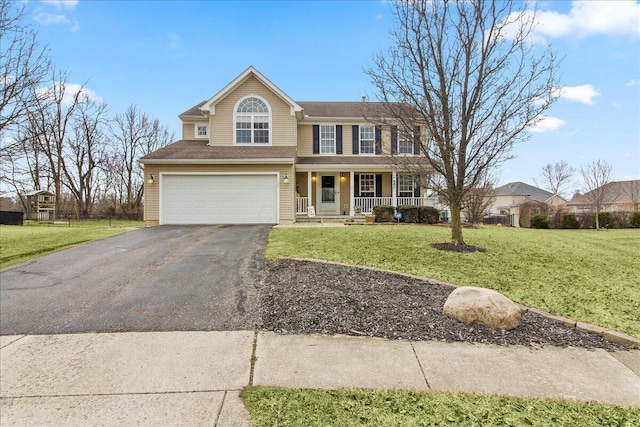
{"type": "Point", "coordinates": [22, 243]}
{"type": "Point", "coordinates": [337, 408]}
{"type": "Point", "coordinates": [587, 275]}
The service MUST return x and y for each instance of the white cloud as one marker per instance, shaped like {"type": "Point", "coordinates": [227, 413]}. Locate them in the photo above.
{"type": "Point", "coordinates": [588, 18]}
{"type": "Point", "coordinates": [546, 123]}
{"type": "Point", "coordinates": [633, 82]}
{"type": "Point", "coordinates": [44, 18]}
{"type": "Point", "coordinates": [70, 92]}
{"type": "Point", "coordinates": [585, 93]}
{"type": "Point", "coordinates": [62, 4]}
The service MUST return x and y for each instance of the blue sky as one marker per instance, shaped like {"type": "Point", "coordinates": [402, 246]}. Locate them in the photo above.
{"type": "Point", "coordinates": [167, 56]}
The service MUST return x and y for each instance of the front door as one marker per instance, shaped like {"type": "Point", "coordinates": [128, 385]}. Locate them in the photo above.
{"type": "Point", "coordinates": [328, 195]}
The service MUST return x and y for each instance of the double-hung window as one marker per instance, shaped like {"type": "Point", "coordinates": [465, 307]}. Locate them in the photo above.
{"type": "Point", "coordinates": [367, 185]}
{"type": "Point", "coordinates": [367, 139]}
{"type": "Point", "coordinates": [405, 141]}
{"type": "Point", "coordinates": [201, 131]}
{"type": "Point", "coordinates": [327, 139]}
{"type": "Point", "coordinates": [405, 185]}
{"type": "Point", "coordinates": [252, 119]}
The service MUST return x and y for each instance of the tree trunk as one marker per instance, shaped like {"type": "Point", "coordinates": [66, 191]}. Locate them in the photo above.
{"type": "Point", "coordinates": [456, 224]}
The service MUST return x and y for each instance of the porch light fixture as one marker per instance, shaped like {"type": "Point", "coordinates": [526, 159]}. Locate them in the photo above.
{"type": "Point", "coordinates": [342, 178]}
{"type": "Point", "coordinates": [313, 178]}
{"type": "Point", "coordinates": [285, 179]}
{"type": "Point", "coordinates": [151, 179]}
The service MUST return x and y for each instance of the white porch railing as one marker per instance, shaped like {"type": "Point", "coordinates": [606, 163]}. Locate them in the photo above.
{"type": "Point", "coordinates": [302, 204]}
{"type": "Point", "coordinates": [416, 201]}
{"type": "Point", "coordinates": [366, 204]}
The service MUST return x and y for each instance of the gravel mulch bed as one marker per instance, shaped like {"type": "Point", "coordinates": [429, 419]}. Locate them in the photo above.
{"type": "Point", "coordinates": [300, 297]}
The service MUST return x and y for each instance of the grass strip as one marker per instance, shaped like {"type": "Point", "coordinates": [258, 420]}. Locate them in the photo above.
{"type": "Point", "coordinates": [271, 406]}
{"type": "Point", "coordinates": [587, 275]}
{"type": "Point", "coordinates": [23, 243]}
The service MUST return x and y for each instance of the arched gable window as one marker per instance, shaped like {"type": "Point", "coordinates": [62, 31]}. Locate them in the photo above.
{"type": "Point", "coordinates": [252, 121]}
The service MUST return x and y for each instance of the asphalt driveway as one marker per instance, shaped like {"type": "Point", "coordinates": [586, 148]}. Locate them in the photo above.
{"type": "Point", "coordinates": [168, 278]}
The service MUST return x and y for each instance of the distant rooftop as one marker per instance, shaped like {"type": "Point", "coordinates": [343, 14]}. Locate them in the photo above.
{"type": "Point", "coordinates": [522, 189]}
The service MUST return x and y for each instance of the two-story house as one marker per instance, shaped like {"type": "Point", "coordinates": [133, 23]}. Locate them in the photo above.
{"type": "Point", "coordinates": [251, 154]}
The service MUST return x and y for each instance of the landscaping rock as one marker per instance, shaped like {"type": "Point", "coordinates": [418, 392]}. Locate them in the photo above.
{"type": "Point", "coordinates": [486, 307]}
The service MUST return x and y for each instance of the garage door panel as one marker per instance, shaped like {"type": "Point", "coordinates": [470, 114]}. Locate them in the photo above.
{"type": "Point", "coordinates": [219, 199]}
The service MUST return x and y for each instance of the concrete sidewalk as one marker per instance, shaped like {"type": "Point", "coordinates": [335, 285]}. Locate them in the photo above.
{"type": "Point", "coordinates": [193, 378]}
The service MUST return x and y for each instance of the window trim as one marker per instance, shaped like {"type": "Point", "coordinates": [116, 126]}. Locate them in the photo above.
{"type": "Point", "coordinates": [195, 130]}
{"type": "Point", "coordinates": [269, 114]}
{"type": "Point", "coordinates": [413, 185]}
{"type": "Point", "coordinates": [373, 140]}
{"type": "Point", "coordinates": [320, 139]}
{"type": "Point", "coordinates": [373, 177]}
{"type": "Point", "coordinates": [402, 132]}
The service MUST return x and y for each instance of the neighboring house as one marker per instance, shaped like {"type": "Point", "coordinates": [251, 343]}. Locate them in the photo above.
{"type": "Point", "coordinates": [251, 154]}
{"type": "Point", "coordinates": [510, 198]}
{"type": "Point", "coordinates": [618, 196]}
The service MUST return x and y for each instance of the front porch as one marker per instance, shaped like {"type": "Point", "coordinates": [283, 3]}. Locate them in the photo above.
{"type": "Point", "coordinates": [352, 193]}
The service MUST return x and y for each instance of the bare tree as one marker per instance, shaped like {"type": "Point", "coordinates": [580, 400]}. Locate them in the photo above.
{"type": "Point", "coordinates": [85, 153]}
{"type": "Point", "coordinates": [51, 122]}
{"type": "Point", "coordinates": [477, 200]}
{"type": "Point", "coordinates": [468, 73]}
{"type": "Point", "coordinates": [134, 135]}
{"type": "Point", "coordinates": [596, 175]}
{"type": "Point", "coordinates": [556, 177]}
{"type": "Point", "coordinates": [24, 65]}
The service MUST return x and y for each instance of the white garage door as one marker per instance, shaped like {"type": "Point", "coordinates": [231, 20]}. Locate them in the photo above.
{"type": "Point", "coordinates": [219, 199]}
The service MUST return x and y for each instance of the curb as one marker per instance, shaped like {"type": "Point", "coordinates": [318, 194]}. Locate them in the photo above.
{"type": "Point", "coordinates": [606, 334]}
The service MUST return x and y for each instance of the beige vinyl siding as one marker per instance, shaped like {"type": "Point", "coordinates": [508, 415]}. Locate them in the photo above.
{"type": "Point", "coordinates": [151, 191]}
{"type": "Point", "coordinates": [344, 193]}
{"type": "Point", "coordinates": [189, 129]}
{"type": "Point", "coordinates": [305, 140]}
{"type": "Point", "coordinates": [386, 184]}
{"type": "Point", "coordinates": [283, 124]}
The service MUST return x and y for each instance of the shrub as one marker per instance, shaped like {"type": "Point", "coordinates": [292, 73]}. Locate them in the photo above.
{"type": "Point", "coordinates": [635, 220]}
{"type": "Point", "coordinates": [428, 215]}
{"type": "Point", "coordinates": [384, 213]}
{"type": "Point", "coordinates": [621, 219]}
{"type": "Point", "coordinates": [539, 221]}
{"type": "Point", "coordinates": [604, 218]}
{"type": "Point", "coordinates": [409, 213]}
{"type": "Point", "coordinates": [569, 221]}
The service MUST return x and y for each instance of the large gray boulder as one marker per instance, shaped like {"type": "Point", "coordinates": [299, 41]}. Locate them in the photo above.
{"type": "Point", "coordinates": [486, 307]}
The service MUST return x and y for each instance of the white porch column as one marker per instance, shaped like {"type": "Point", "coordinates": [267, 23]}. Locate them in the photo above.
{"type": "Point", "coordinates": [352, 201]}
{"type": "Point", "coordinates": [394, 188]}
{"type": "Point", "coordinates": [309, 191]}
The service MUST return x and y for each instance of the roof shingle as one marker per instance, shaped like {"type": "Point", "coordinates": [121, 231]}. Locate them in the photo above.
{"type": "Point", "coordinates": [199, 150]}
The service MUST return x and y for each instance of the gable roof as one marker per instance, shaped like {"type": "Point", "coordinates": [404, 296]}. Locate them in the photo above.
{"type": "Point", "coordinates": [243, 77]}
{"type": "Point", "coordinates": [616, 192]}
{"type": "Point", "coordinates": [194, 112]}
{"type": "Point", "coordinates": [522, 189]}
